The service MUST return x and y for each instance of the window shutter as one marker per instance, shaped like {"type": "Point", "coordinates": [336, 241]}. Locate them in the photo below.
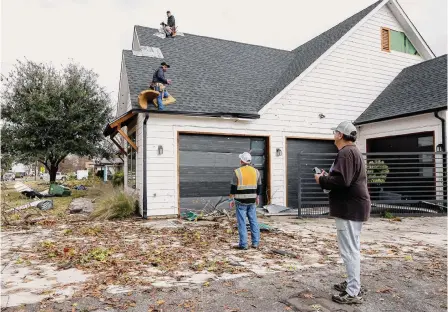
{"type": "Point", "coordinates": [385, 39]}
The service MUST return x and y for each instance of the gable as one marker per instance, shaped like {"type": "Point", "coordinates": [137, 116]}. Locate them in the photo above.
{"type": "Point", "coordinates": [346, 79]}
{"type": "Point", "coordinates": [417, 89]}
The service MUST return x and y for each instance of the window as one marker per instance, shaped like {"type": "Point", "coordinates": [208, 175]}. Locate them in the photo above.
{"type": "Point", "coordinates": [396, 41]}
{"type": "Point", "coordinates": [131, 163]}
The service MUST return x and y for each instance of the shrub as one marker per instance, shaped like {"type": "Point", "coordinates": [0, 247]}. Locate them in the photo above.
{"type": "Point", "coordinates": [377, 171]}
{"type": "Point", "coordinates": [117, 205]}
{"type": "Point", "coordinates": [118, 178]}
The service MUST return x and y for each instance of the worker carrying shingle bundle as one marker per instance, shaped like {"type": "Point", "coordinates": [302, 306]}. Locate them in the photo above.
{"type": "Point", "coordinates": [170, 27]}
{"type": "Point", "coordinates": [159, 83]}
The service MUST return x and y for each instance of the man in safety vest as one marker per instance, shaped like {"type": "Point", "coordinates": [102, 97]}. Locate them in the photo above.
{"type": "Point", "coordinates": [245, 190]}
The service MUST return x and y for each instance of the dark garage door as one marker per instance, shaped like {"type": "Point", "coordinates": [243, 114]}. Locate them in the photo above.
{"type": "Point", "coordinates": [410, 176]}
{"type": "Point", "coordinates": [293, 148]}
{"type": "Point", "coordinates": [206, 164]}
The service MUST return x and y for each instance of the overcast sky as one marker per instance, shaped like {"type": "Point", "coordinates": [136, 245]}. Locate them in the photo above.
{"type": "Point", "coordinates": [94, 32]}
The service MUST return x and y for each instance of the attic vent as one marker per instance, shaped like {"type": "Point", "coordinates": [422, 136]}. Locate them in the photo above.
{"type": "Point", "coordinates": [385, 39]}
{"type": "Point", "coordinates": [149, 52]}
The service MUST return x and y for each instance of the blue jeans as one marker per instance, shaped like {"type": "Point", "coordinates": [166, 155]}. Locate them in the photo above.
{"type": "Point", "coordinates": [251, 212]}
{"type": "Point", "coordinates": [162, 95]}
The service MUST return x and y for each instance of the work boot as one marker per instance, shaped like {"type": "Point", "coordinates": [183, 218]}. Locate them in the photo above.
{"type": "Point", "coordinates": [345, 298]}
{"type": "Point", "coordinates": [240, 247]}
{"type": "Point", "coordinates": [343, 286]}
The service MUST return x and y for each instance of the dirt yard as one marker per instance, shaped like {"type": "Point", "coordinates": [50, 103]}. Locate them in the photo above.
{"type": "Point", "coordinates": [177, 265]}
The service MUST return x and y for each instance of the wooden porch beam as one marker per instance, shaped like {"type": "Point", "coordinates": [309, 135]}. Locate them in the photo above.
{"type": "Point", "coordinates": [121, 120]}
{"type": "Point", "coordinates": [122, 150]}
{"type": "Point", "coordinates": [125, 136]}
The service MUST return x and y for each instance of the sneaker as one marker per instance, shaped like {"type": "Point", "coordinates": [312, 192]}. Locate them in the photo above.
{"type": "Point", "coordinates": [254, 246]}
{"type": "Point", "coordinates": [239, 247]}
{"type": "Point", "coordinates": [345, 298]}
{"type": "Point", "coordinates": [343, 286]}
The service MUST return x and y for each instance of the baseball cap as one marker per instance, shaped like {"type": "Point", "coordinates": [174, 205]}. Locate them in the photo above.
{"type": "Point", "coordinates": [347, 128]}
{"type": "Point", "coordinates": [246, 157]}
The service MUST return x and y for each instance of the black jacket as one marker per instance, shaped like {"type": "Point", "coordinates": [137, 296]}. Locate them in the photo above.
{"type": "Point", "coordinates": [347, 180]}
{"type": "Point", "coordinates": [171, 21]}
{"type": "Point", "coordinates": [159, 76]}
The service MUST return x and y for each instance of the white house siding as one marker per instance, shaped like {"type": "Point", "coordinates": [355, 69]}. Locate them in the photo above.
{"type": "Point", "coordinates": [347, 81]}
{"type": "Point", "coordinates": [340, 87]}
{"type": "Point", "coordinates": [400, 126]}
{"type": "Point", "coordinates": [124, 98]}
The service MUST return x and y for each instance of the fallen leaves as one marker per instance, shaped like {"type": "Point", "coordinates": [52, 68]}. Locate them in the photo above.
{"type": "Point", "coordinates": [307, 295]}
{"type": "Point", "coordinates": [384, 290]}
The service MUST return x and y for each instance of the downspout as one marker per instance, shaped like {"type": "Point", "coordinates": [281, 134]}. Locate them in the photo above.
{"type": "Point", "coordinates": [436, 114]}
{"type": "Point", "coordinates": [145, 185]}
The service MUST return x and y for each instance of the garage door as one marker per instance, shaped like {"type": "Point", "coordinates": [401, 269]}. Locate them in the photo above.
{"type": "Point", "coordinates": [206, 164]}
{"type": "Point", "coordinates": [293, 148]}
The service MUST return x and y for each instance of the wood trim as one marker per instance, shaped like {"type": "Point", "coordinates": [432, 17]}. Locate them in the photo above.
{"type": "Point", "coordinates": [286, 158]}
{"type": "Point", "coordinates": [269, 171]}
{"type": "Point", "coordinates": [178, 176]}
{"type": "Point", "coordinates": [118, 122]}
{"type": "Point", "coordinates": [125, 136]}
{"type": "Point", "coordinates": [222, 134]}
{"type": "Point", "coordinates": [385, 46]}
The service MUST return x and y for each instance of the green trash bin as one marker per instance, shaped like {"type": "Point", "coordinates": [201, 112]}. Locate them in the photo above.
{"type": "Point", "coordinates": [59, 190]}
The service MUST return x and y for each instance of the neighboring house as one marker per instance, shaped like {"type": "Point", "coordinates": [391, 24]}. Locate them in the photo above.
{"type": "Point", "coordinates": [234, 97]}
{"type": "Point", "coordinates": [409, 115]}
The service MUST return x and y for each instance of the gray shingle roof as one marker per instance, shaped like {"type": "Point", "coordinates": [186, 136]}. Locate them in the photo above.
{"type": "Point", "coordinates": [212, 75]}
{"type": "Point", "coordinates": [417, 89]}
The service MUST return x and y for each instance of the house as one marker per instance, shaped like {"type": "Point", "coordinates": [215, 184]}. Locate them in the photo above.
{"type": "Point", "coordinates": [409, 115]}
{"type": "Point", "coordinates": [234, 97]}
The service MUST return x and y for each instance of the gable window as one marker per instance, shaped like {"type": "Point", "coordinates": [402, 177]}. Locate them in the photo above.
{"type": "Point", "coordinates": [396, 41]}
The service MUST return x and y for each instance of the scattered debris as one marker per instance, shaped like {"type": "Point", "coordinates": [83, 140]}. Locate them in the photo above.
{"type": "Point", "coordinates": [385, 290]}
{"type": "Point", "coordinates": [80, 187]}
{"type": "Point", "coordinates": [275, 208]}
{"type": "Point", "coordinates": [79, 205]}
{"type": "Point", "coordinates": [284, 253]}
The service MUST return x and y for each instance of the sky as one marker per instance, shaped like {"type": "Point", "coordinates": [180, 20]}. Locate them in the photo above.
{"type": "Point", "coordinates": [94, 32]}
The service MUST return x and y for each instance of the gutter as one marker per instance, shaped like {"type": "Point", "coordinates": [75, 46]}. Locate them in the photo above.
{"type": "Point", "coordinates": [145, 185]}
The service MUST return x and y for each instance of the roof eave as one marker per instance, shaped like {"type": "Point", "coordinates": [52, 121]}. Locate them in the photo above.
{"type": "Point", "coordinates": [432, 110]}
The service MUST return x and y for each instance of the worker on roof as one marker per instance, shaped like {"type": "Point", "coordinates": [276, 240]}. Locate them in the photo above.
{"type": "Point", "coordinates": [170, 27]}
{"type": "Point", "coordinates": [159, 83]}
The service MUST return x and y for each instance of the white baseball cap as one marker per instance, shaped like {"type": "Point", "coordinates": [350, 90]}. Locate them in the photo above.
{"type": "Point", "coordinates": [347, 128]}
{"type": "Point", "coordinates": [246, 157]}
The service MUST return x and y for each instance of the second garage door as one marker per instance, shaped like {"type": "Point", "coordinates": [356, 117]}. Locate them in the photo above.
{"type": "Point", "coordinates": [206, 164]}
{"type": "Point", "coordinates": [293, 149]}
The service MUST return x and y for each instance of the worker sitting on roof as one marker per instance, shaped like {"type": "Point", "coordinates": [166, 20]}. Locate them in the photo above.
{"type": "Point", "coordinates": [170, 28]}
{"type": "Point", "coordinates": [158, 84]}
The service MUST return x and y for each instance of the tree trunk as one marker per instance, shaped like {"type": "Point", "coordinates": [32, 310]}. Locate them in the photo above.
{"type": "Point", "coordinates": [53, 170]}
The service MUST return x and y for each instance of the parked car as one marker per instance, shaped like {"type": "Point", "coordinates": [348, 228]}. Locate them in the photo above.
{"type": "Point", "coordinates": [59, 176]}
{"type": "Point", "coordinates": [9, 176]}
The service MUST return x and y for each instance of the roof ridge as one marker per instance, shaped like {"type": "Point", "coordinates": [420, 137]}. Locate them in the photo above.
{"type": "Point", "coordinates": [371, 7]}
{"type": "Point", "coordinates": [219, 39]}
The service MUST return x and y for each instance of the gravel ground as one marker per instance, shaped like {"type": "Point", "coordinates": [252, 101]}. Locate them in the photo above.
{"type": "Point", "coordinates": [404, 269]}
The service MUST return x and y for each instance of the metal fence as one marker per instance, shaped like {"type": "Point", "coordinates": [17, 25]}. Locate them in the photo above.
{"type": "Point", "coordinates": [405, 184]}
